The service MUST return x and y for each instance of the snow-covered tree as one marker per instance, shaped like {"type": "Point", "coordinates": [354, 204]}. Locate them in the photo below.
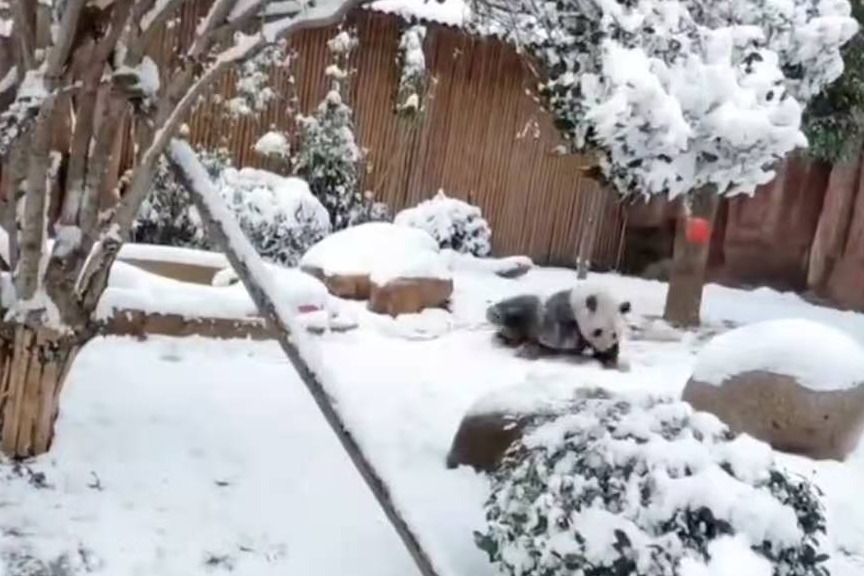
{"type": "Point", "coordinates": [834, 120]}
{"type": "Point", "coordinates": [79, 71]}
{"type": "Point", "coordinates": [685, 98]}
{"type": "Point", "coordinates": [328, 156]}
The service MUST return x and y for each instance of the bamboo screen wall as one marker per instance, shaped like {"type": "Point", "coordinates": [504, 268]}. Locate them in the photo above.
{"type": "Point", "coordinates": [466, 142]}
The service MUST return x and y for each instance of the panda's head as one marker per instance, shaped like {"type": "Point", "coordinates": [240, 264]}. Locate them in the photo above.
{"type": "Point", "coordinates": [600, 316]}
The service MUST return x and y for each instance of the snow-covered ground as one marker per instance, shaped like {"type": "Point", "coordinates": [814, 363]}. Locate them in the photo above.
{"type": "Point", "coordinates": [185, 457]}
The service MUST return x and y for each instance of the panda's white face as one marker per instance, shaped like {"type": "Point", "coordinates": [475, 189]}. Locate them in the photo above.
{"type": "Point", "coordinates": [600, 317]}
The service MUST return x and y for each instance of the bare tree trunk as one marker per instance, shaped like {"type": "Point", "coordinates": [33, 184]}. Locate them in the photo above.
{"type": "Point", "coordinates": [33, 366]}
{"type": "Point", "coordinates": [689, 263]}
{"type": "Point", "coordinates": [588, 234]}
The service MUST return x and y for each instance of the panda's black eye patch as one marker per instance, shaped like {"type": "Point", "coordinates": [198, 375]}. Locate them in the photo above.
{"type": "Point", "coordinates": [598, 332]}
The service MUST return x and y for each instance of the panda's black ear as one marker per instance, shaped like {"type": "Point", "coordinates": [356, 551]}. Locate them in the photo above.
{"type": "Point", "coordinates": [591, 303]}
{"type": "Point", "coordinates": [624, 307]}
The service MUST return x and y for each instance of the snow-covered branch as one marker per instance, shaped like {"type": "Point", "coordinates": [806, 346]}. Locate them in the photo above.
{"type": "Point", "coordinates": [323, 13]}
{"type": "Point", "coordinates": [224, 230]}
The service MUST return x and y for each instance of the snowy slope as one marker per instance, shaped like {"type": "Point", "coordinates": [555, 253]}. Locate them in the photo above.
{"type": "Point", "coordinates": [210, 454]}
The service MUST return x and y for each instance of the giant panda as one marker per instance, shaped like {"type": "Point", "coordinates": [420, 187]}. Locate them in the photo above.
{"type": "Point", "coordinates": [574, 320]}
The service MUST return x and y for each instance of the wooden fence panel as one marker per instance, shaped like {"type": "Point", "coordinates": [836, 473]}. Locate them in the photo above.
{"type": "Point", "coordinates": [466, 141]}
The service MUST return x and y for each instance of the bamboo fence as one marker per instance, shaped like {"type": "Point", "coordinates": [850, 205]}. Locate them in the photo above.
{"type": "Point", "coordinates": [470, 141]}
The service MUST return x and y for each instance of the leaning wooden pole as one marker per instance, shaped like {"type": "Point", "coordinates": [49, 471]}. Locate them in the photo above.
{"type": "Point", "coordinates": [203, 193]}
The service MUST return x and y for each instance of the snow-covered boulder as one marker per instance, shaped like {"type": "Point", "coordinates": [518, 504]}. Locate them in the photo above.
{"type": "Point", "coordinates": [452, 222]}
{"type": "Point", "coordinates": [794, 383]}
{"type": "Point", "coordinates": [397, 268]}
{"type": "Point", "coordinates": [625, 486]}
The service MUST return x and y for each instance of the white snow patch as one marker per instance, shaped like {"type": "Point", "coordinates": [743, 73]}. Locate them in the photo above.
{"type": "Point", "coordinates": [273, 144]}
{"type": "Point", "coordinates": [818, 356]}
{"type": "Point", "coordinates": [130, 288]}
{"type": "Point", "coordinates": [381, 250]}
{"type": "Point", "coordinates": [730, 556]}
{"type": "Point", "coordinates": [148, 76]}
{"type": "Point", "coordinates": [448, 12]}
{"type": "Point", "coordinates": [470, 263]}
{"type": "Point", "coordinates": [6, 27]}
{"type": "Point", "coordinates": [175, 254]}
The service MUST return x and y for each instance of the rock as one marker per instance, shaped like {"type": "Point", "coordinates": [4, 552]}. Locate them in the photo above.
{"type": "Point", "coordinates": [514, 267]}
{"type": "Point", "coordinates": [796, 384]}
{"type": "Point", "coordinates": [349, 286]}
{"type": "Point", "coordinates": [482, 439]}
{"type": "Point", "coordinates": [499, 418]}
{"type": "Point", "coordinates": [508, 267]}
{"type": "Point", "coordinates": [776, 409]}
{"type": "Point", "coordinates": [349, 262]}
{"type": "Point", "coordinates": [409, 295]}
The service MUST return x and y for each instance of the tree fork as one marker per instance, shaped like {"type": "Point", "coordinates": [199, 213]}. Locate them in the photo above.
{"type": "Point", "coordinates": [689, 262]}
{"type": "Point", "coordinates": [265, 304]}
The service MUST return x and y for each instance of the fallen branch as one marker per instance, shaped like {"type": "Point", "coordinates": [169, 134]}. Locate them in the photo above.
{"type": "Point", "coordinates": [223, 229]}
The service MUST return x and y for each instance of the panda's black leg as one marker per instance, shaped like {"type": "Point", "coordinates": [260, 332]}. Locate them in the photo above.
{"type": "Point", "coordinates": [608, 358]}
{"type": "Point", "coordinates": [509, 338]}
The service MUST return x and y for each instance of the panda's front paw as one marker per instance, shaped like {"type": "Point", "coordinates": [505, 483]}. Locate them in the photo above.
{"type": "Point", "coordinates": [623, 365]}
{"type": "Point", "coordinates": [529, 351]}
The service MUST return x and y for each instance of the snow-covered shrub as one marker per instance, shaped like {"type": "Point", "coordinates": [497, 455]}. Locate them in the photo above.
{"type": "Point", "coordinates": [167, 216]}
{"type": "Point", "coordinates": [412, 71]}
{"type": "Point", "coordinates": [371, 211]}
{"type": "Point", "coordinates": [328, 156]}
{"type": "Point", "coordinates": [647, 488]}
{"type": "Point", "coordinates": [253, 91]}
{"type": "Point", "coordinates": [273, 144]}
{"type": "Point", "coordinates": [280, 216]}
{"type": "Point", "coordinates": [452, 222]}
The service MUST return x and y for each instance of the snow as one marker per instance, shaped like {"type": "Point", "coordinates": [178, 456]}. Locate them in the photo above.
{"type": "Point", "coordinates": [174, 254]}
{"type": "Point", "coordinates": [380, 250]}
{"type": "Point", "coordinates": [206, 449]}
{"type": "Point", "coordinates": [130, 288]}
{"type": "Point", "coordinates": [448, 12]}
{"type": "Point", "coordinates": [7, 81]}
{"type": "Point", "coordinates": [273, 144]}
{"type": "Point", "coordinates": [151, 15]}
{"type": "Point", "coordinates": [818, 356]}
{"type": "Point", "coordinates": [730, 556]}
{"type": "Point", "coordinates": [471, 263]}
{"type": "Point", "coordinates": [266, 192]}
{"type": "Point", "coordinates": [148, 76]}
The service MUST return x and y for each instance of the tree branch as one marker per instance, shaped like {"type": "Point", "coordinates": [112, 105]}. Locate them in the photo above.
{"type": "Point", "coordinates": [33, 228]}
{"type": "Point", "coordinates": [224, 230]}
{"type": "Point", "coordinates": [317, 17]}
{"type": "Point", "coordinates": [23, 30]}
{"type": "Point", "coordinates": [94, 276]}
